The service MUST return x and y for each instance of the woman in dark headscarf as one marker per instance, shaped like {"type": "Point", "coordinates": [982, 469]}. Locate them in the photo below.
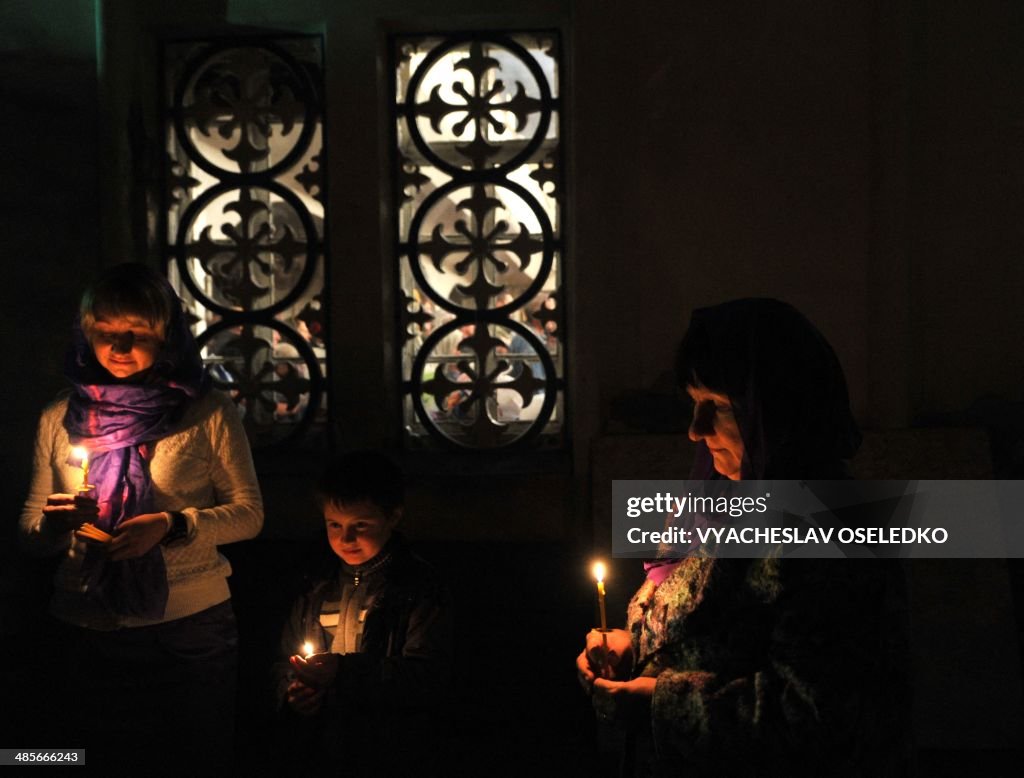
{"type": "Point", "coordinates": [140, 595]}
{"type": "Point", "coordinates": [785, 386]}
{"type": "Point", "coordinates": [771, 667]}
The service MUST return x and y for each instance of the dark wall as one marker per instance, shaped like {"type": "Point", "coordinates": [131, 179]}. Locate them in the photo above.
{"type": "Point", "coordinates": [747, 172]}
{"type": "Point", "coordinates": [49, 211]}
{"type": "Point", "coordinates": [49, 226]}
{"type": "Point", "coordinates": [859, 160]}
{"type": "Point", "coordinates": [966, 163]}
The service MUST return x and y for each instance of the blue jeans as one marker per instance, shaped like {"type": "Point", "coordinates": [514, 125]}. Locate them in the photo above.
{"type": "Point", "coordinates": [158, 699]}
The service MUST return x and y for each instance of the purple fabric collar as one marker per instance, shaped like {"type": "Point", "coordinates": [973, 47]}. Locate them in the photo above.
{"type": "Point", "coordinates": [659, 569]}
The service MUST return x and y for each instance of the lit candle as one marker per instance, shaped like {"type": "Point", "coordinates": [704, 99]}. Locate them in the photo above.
{"type": "Point", "coordinates": [82, 455]}
{"type": "Point", "coordinates": [307, 649]}
{"type": "Point", "coordinates": [599, 572]}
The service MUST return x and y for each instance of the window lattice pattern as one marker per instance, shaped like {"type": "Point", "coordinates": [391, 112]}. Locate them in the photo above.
{"type": "Point", "coordinates": [479, 202]}
{"type": "Point", "coordinates": [244, 231]}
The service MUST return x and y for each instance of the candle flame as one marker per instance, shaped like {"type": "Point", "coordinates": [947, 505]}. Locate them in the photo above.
{"type": "Point", "coordinates": [599, 571]}
{"type": "Point", "coordinates": [81, 453]}
{"type": "Point", "coordinates": [307, 649]}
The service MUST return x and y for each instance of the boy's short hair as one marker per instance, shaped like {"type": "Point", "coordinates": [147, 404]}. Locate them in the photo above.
{"type": "Point", "coordinates": [362, 475]}
{"type": "Point", "coordinates": [130, 289]}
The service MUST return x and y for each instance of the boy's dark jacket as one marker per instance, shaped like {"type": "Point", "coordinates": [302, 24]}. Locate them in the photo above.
{"type": "Point", "coordinates": [385, 710]}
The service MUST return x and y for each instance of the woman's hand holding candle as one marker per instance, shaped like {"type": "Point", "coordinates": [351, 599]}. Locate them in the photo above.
{"type": "Point", "coordinates": [65, 512]}
{"type": "Point", "coordinates": [608, 654]}
{"type": "Point", "coordinates": [606, 648]}
{"type": "Point", "coordinates": [81, 453]}
{"type": "Point", "coordinates": [604, 670]}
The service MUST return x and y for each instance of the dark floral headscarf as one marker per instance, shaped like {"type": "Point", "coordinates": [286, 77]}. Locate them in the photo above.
{"type": "Point", "coordinates": [786, 385]}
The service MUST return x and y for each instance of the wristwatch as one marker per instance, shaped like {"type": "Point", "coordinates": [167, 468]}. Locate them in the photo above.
{"type": "Point", "coordinates": [178, 529]}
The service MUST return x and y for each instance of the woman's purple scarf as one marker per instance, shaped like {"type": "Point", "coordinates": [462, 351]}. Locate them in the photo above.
{"type": "Point", "coordinates": [118, 422]}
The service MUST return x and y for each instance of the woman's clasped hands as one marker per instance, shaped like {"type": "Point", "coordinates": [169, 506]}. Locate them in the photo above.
{"type": "Point", "coordinates": [604, 668]}
{"type": "Point", "coordinates": [133, 537]}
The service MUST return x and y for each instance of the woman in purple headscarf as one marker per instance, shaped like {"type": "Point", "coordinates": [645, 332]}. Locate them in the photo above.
{"type": "Point", "coordinates": [141, 600]}
{"type": "Point", "coordinates": [759, 667]}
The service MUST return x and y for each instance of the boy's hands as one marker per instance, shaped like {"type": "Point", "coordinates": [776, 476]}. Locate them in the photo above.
{"type": "Point", "coordinates": [313, 674]}
{"type": "Point", "coordinates": [304, 700]}
{"type": "Point", "coordinates": [316, 670]}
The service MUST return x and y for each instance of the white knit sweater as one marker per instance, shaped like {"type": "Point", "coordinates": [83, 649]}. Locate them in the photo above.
{"type": "Point", "coordinates": [203, 469]}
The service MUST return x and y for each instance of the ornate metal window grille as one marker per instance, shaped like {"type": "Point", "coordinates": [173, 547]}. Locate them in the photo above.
{"type": "Point", "coordinates": [244, 221]}
{"type": "Point", "coordinates": [479, 208]}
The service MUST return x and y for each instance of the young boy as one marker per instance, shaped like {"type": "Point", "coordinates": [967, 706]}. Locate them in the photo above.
{"type": "Point", "coordinates": [366, 652]}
